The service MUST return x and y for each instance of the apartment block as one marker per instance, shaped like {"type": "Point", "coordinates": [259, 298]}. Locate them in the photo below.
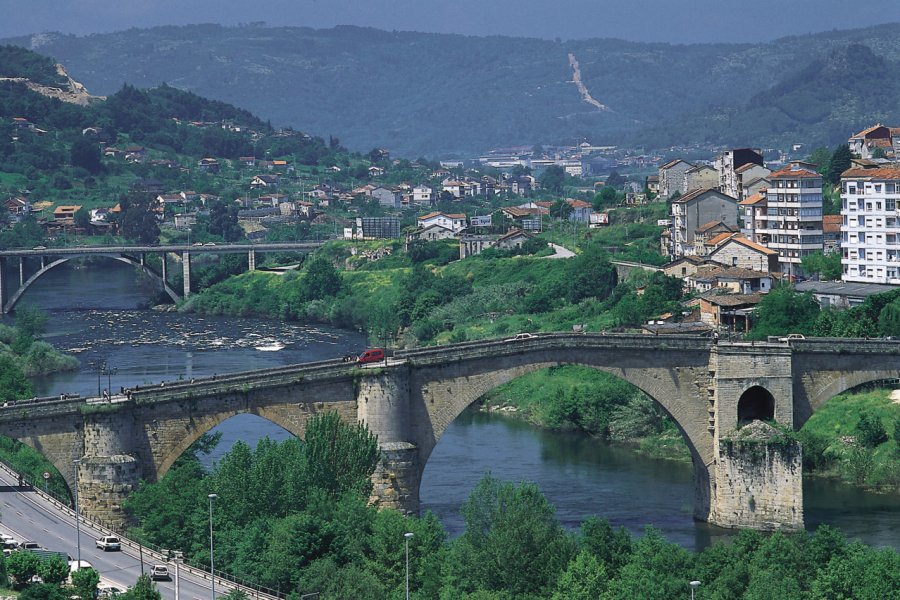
{"type": "Point", "coordinates": [870, 233]}
{"type": "Point", "coordinates": [793, 225]}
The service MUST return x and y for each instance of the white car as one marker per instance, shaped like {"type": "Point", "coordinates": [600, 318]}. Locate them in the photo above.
{"type": "Point", "coordinates": [108, 543]}
{"type": "Point", "coordinates": [160, 572]}
{"type": "Point", "coordinates": [522, 336]}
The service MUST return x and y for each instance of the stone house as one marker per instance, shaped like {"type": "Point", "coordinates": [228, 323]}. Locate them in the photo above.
{"type": "Point", "coordinates": [729, 162]}
{"type": "Point", "coordinates": [738, 251]}
{"type": "Point", "coordinates": [699, 177]}
{"type": "Point", "coordinates": [671, 178]}
{"type": "Point", "coordinates": [387, 197]}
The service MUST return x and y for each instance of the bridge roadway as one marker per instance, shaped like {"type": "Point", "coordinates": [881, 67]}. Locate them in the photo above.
{"type": "Point", "coordinates": [192, 248]}
{"type": "Point", "coordinates": [29, 515]}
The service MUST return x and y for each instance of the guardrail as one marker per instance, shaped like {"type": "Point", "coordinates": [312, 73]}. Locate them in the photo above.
{"type": "Point", "coordinates": [156, 553]}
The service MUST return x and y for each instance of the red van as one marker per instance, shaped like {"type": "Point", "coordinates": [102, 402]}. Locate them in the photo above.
{"type": "Point", "coordinates": [371, 355]}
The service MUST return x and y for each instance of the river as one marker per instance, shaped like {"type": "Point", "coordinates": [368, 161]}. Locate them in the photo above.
{"type": "Point", "coordinates": [94, 312]}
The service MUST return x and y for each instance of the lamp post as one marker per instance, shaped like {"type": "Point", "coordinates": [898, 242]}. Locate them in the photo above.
{"type": "Point", "coordinates": [178, 557]}
{"type": "Point", "coordinates": [694, 585]}
{"type": "Point", "coordinates": [77, 520]}
{"type": "Point", "coordinates": [212, 567]}
{"type": "Point", "coordinates": [407, 535]}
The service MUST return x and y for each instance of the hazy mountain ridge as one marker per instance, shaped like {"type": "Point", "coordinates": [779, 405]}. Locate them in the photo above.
{"type": "Point", "coordinates": [436, 93]}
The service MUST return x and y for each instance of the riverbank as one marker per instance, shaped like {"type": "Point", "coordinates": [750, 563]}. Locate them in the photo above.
{"type": "Point", "coordinates": [573, 398]}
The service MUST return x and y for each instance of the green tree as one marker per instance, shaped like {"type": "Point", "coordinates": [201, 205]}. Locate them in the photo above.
{"type": "Point", "coordinates": [137, 220]}
{"type": "Point", "coordinates": [553, 178]}
{"type": "Point", "coordinates": [84, 582]}
{"type": "Point", "coordinates": [592, 275]}
{"type": "Point", "coordinates": [584, 579]}
{"type": "Point", "coordinates": [561, 210]}
{"type": "Point", "coordinates": [826, 266]}
{"type": "Point", "coordinates": [22, 566]}
{"type": "Point", "coordinates": [86, 154]}
{"type": "Point", "coordinates": [83, 218]}
{"type": "Point", "coordinates": [784, 311]}
{"type": "Point", "coordinates": [54, 570]}
{"type": "Point", "coordinates": [605, 198]}
{"type": "Point", "coordinates": [320, 279]}
{"type": "Point", "coordinates": [840, 162]}
{"type": "Point", "coordinates": [340, 458]}
{"type": "Point", "coordinates": [30, 320]}
{"type": "Point", "coordinates": [889, 319]}
{"type": "Point", "coordinates": [512, 541]}
{"type": "Point", "coordinates": [821, 157]}
{"type": "Point", "coordinates": [143, 589]}
{"type": "Point", "coordinates": [43, 591]}
{"type": "Point", "coordinates": [870, 430]}
{"type": "Point", "coordinates": [13, 383]}
{"type": "Point", "coordinates": [223, 221]}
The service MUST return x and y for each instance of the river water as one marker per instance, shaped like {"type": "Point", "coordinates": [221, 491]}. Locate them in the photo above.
{"type": "Point", "coordinates": [94, 313]}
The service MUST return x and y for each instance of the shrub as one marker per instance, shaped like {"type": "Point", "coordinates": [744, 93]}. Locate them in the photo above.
{"type": "Point", "coordinates": [871, 431]}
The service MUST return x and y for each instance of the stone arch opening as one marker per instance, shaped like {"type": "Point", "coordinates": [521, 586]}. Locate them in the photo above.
{"type": "Point", "coordinates": [756, 404]}
{"type": "Point", "coordinates": [39, 463]}
{"type": "Point", "coordinates": [654, 387]}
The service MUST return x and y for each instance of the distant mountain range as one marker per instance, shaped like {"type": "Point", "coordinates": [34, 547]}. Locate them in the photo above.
{"type": "Point", "coordinates": [437, 94]}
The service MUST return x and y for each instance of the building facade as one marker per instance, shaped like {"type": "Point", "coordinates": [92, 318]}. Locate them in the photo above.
{"type": "Point", "coordinates": [794, 215]}
{"type": "Point", "coordinates": [671, 178]}
{"type": "Point", "coordinates": [729, 162]}
{"type": "Point", "coordinates": [870, 233]}
{"type": "Point", "coordinates": [694, 209]}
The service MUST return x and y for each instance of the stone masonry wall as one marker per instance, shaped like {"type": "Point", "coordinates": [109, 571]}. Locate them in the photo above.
{"type": "Point", "coordinates": [759, 483]}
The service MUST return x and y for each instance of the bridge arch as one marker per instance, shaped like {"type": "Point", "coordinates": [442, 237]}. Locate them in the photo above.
{"type": "Point", "coordinates": [11, 303]}
{"type": "Point", "coordinates": [199, 426]}
{"type": "Point", "coordinates": [756, 403]}
{"type": "Point", "coordinates": [443, 393]}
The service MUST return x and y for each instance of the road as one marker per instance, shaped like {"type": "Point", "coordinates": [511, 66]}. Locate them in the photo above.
{"type": "Point", "coordinates": [27, 515]}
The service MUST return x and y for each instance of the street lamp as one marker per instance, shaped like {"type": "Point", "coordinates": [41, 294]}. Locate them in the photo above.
{"type": "Point", "coordinates": [178, 557]}
{"type": "Point", "coordinates": [77, 520]}
{"type": "Point", "coordinates": [407, 535]}
{"type": "Point", "coordinates": [694, 585]}
{"type": "Point", "coordinates": [212, 567]}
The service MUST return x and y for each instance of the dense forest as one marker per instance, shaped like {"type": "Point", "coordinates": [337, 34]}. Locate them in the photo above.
{"type": "Point", "coordinates": [814, 89]}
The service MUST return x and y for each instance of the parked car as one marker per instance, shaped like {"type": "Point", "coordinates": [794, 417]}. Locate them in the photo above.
{"type": "Point", "coordinates": [106, 590]}
{"type": "Point", "coordinates": [108, 543]}
{"type": "Point", "coordinates": [29, 546]}
{"type": "Point", "coordinates": [160, 573]}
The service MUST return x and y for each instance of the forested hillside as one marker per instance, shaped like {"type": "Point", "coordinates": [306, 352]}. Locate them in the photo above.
{"type": "Point", "coordinates": [419, 93]}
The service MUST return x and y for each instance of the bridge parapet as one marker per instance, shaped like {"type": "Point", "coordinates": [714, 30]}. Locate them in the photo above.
{"type": "Point", "coordinates": [38, 408]}
{"type": "Point", "coordinates": [551, 341]}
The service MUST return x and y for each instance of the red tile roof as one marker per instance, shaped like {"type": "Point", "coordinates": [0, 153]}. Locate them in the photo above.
{"type": "Point", "coordinates": [672, 163]}
{"type": "Point", "coordinates": [832, 223]}
{"type": "Point", "coordinates": [881, 173]}
{"type": "Point", "coordinates": [794, 172]}
{"type": "Point", "coordinates": [867, 131]}
{"type": "Point", "coordinates": [754, 199]}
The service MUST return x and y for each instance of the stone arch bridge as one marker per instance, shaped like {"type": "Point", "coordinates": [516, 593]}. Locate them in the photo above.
{"type": "Point", "coordinates": [707, 388]}
{"type": "Point", "coordinates": [34, 263]}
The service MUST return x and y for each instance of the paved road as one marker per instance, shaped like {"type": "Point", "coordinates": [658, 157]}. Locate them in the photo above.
{"type": "Point", "coordinates": [26, 515]}
{"type": "Point", "coordinates": [560, 252]}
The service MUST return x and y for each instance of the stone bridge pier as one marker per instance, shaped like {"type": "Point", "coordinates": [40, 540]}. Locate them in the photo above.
{"type": "Point", "coordinates": [108, 472]}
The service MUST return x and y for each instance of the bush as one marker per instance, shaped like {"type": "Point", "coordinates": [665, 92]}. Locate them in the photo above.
{"type": "Point", "coordinates": [871, 431]}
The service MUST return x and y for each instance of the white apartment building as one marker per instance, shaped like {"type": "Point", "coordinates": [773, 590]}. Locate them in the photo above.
{"type": "Point", "coordinates": [793, 225]}
{"type": "Point", "coordinates": [870, 230]}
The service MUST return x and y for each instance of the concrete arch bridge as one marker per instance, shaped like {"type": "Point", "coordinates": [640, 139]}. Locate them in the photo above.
{"type": "Point", "coordinates": [49, 258]}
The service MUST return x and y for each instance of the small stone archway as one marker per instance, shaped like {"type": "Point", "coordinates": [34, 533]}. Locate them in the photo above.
{"type": "Point", "coordinates": [755, 404]}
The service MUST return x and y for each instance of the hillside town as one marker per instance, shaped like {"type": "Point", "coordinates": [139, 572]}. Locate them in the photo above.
{"type": "Point", "coordinates": [735, 224]}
